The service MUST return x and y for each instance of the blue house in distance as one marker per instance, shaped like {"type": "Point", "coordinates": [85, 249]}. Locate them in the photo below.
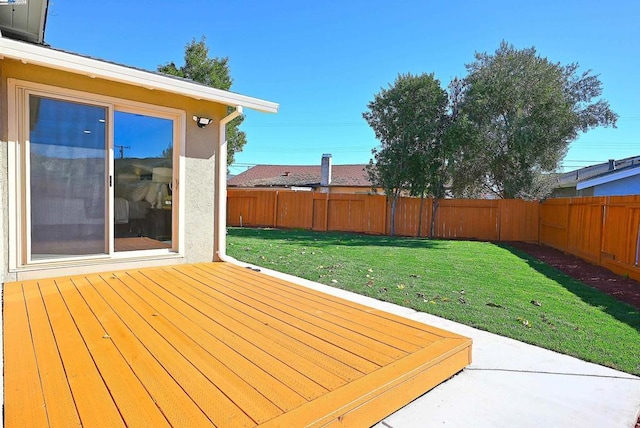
{"type": "Point", "coordinates": [616, 182]}
{"type": "Point", "coordinates": [613, 178]}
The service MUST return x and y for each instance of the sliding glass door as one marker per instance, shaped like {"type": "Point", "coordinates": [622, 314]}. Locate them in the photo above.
{"type": "Point", "coordinates": [67, 179]}
{"type": "Point", "coordinates": [143, 172]}
{"type": "Point", "coordinates": [96, 177]}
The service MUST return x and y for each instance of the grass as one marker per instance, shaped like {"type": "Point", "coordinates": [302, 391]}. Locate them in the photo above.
{"type": "Point", "coordinates": [487, 286]}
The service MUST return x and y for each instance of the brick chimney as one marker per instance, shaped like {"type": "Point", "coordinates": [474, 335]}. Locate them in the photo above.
{"type": "Point", "coordinates": [325, 170]}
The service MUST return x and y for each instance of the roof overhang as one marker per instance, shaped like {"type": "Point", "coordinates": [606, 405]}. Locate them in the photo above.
{"type": "Point", "coordinates": [618, 175]}
{"type": "Point", "coordinates": [46, 57]}
{"type": "Point", "coordinates": [24, 21]}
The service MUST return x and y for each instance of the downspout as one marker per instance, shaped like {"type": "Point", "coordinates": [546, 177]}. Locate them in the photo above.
{"type": "Point", "coordinates": [220, 211]}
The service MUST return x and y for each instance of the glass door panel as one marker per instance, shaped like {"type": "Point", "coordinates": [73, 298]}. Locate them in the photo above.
{"type": "Point", "coordinates": [143, 172]}
{"type": "Point", "coordinates": [67, 157]}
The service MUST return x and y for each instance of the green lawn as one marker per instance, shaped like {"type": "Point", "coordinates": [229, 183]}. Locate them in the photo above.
{"type": "Point", "coordinates": [487, 286]}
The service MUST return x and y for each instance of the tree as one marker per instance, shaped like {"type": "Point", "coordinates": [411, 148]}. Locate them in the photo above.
{"type": "Point", "coordinates": [514, 117]}
{"type": "Point", "coordinates": [212, 72]}
{"type": "Point", "coordinates": [408, 118]}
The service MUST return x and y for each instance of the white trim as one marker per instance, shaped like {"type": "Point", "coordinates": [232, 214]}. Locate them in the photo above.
{"type": "Point", "coordinates": [14, 198]}
{"type": "Point", "coordinates": [220, 203]}
{"type": "Point", "coordinates": [614, 176]}
{"type": "Point", "coordinates": [19, 239]}
{"type": "Point", "coordinates": [47, 57]}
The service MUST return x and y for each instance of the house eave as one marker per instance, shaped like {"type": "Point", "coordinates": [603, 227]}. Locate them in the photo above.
{"type": "Point", "coordinates": [618, 175]}
{"type": "Point", "coordinates": [42, 56]}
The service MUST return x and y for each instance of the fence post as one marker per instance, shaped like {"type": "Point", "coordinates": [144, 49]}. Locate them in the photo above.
{"type": "Point", "coordinates": [499, 219]}
{"type": "Point", "coordinates": [275, 209]}
{"type": "Point", "coordinates": [386, 200]}
{"type": "Point", "coordinates": [540, 203]}
{"type": "Point", "coordinates": [326, 212]}
{"type": "Point", "coordinates": [603, 227]}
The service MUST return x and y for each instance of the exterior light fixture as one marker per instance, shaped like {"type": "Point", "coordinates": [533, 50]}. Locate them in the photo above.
{"type": "Point", "coordinates": [202, 121]}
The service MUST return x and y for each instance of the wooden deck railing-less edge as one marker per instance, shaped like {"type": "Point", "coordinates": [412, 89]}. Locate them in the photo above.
{"type": "Point", "coordinates": [189, 342]}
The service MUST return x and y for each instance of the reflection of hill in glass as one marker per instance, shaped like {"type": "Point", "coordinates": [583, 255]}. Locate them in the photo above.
{"type": "Point", "coordinates": [130, 169]}
{"type": "Point", "coordinates": [53, 176]}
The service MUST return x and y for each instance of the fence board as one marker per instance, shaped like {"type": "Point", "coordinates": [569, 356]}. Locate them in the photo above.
{"type": "Point", "coordinates": [467, 219]}
{"type": "Point", "coordinates": [602, 230]}
{"type": "Point", "coordinates": [518, 220]}
{"type": "Point", "coordinates": [621, 236]}
{"type": "Point", "coordinates": [356, 213]}
{"type": "Point", "coordinates": [251, 207]}
{"type": "Point", "coordinates": [320, 214]}
{"type": "Point", "coordinates": [294, 210]}
{"type": "Point", "coordinates": [585, 216]}
{"type": "Point", "coordinates": [407, 220]}
{"type": "Point", "coordinates": [554, 222]}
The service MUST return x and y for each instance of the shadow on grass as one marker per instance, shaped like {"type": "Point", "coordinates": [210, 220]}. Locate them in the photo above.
{"type": "Point", "coordinates": [621, 311]}
{"type": "Point", "coordinates": [310, 238]}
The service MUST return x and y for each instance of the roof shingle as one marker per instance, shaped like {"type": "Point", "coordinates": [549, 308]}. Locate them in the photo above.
{"type": "Point", "coordinates": [300, 175]}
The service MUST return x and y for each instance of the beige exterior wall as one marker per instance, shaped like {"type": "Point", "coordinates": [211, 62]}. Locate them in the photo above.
{"type": "Point", "coordinates": [198, 154]}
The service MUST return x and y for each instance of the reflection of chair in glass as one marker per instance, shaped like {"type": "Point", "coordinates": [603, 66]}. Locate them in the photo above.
{"type": "Point", "coordinates": [162, 176]}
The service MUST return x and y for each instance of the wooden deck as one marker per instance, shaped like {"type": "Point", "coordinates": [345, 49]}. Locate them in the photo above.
{"type": "Point", "coordinates": [209, 344]}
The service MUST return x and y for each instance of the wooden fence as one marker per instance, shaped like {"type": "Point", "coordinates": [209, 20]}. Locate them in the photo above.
{"type": "Point", "coordinates": [604, 230]}
{"type": "Point", "coordinates": [601, 230]}
{"type": "Point", "coordinates": [492, 220]}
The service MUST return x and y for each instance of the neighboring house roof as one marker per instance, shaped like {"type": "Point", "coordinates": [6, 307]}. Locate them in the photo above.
{"type": "Point", "coordinates": [96, 68]}
{"type": "Point", "coordinates": [572, 178]}
{"type": "Point", "coordinates": [300, 176]}
{"type": "Point", "coordinates": [616, 174]}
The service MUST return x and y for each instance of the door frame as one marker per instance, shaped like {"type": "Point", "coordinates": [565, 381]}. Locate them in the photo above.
{"type": "Point", "coordinates": [18, 169]}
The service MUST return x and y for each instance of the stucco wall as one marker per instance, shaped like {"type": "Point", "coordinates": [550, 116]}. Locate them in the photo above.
{"type": "Point", "coordinates": [199, 167]}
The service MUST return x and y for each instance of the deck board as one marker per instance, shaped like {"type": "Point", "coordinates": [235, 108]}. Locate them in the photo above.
{"type": "Point", "coordinates": [270, 329]}
{"type": "Point", "coordinates": [205, 395]}
{"type": "Point", "coordinates": [201, 348]}
{"type": "Point", "coordinates": [49, 362]}
{"type": "Point", "coordinates": [178, 407]}
{"type": "Point", "coordinates": [81, 372]}
{"type": "Point", "coordinates": [368, 353]}
{"type": "Point", "coordinates": [369, 337]}
{"type": "Point", "coordinates": [134, 403]}
{"type": "Point", "coordinates": [209, 344]}
{"type": "Point", "coordinates": [21, 375]}
{"type": "Point", "coordinates": [225, 336]}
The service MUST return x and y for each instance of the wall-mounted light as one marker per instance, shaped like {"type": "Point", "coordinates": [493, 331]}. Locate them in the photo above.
{"type": "Point", "coordinates": [202, 121]}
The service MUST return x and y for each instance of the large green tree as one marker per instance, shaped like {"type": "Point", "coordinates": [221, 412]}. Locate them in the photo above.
{"type": "Point", "coordinates": [514, 117]}
{"type": "Point", "coordinates": [408, 119]}
{"type": "Point", "coordinates": [212, 72]}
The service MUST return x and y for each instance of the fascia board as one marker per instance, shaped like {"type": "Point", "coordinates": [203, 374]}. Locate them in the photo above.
{"type": "Point", "coordinates": [37, 55]}
{"type": "Point", "coordinates": [608, 178]}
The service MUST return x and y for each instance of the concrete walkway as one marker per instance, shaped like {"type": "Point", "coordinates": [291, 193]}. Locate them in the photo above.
{"type": "Point", "coordinates": [510, 383]}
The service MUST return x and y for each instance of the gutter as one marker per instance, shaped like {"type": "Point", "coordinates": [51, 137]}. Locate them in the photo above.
{"type": "Point", "coordinates": [220, 211]}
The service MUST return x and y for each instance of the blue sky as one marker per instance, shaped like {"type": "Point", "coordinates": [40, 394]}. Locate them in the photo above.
{"type": "Point", "coordinates": [324, 61]}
